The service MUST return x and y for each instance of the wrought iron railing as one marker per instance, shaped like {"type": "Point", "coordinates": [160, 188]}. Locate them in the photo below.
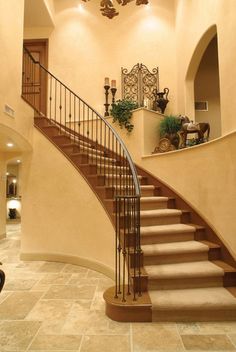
{"type": "Point", "coordinates": [95, 138]}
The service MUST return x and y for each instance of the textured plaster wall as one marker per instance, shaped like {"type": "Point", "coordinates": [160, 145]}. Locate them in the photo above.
{"type": "Point", "coordinates": [11, 12]}
{"type": "Point", "coordinates": [205, 175]}
{"type": "Point", "coordinates": [61, 218]}
{"type": "Point", "coordinates": [85, 47]}
{"type": "Point", "coordinates": [193, 19]}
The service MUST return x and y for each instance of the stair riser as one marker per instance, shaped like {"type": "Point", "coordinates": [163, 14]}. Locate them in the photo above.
{"type": "Point", "coordinates": [41, 122]}
{"type": "Point", "coordinates": [80, 159]}
{"type": "Point", "coordinates": [89, 169]}
{"type": "Point", "coordinates": [160, 220]}
{"type": "Point", "coordinates": [190, 315]}
{"type": "Point", "coordinates": [177, 258]}
{"type": "Point", "coordinates": [60, 140]}
{"type": "Point", "coordinates": [147, 192]}
{"type": "Point", "coordinates": [153, 205]}
{"type": "Point", "coordinates": [120, 181]}
{"type": "Point", "coordinates": [93, 159]}
{"type": "Point", "coordinates": [164, 238]}
{"type": "Point", "coordinates": [182, 283]}
{"type": "Point", "coordinates": [51, 131]}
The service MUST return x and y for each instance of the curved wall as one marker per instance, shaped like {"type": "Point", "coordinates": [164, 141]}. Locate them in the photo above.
{"type": "Point", "coordinates": [61, 218]}
{"type": "Point", "coordinates": [204, 175]}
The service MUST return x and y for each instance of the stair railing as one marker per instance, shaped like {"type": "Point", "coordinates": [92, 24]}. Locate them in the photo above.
{"type": "Point", "coordinates": [97, 139]}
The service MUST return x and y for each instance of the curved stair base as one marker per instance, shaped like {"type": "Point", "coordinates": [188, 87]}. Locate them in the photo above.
{"type": "Point", "coordinates": [130, 310]}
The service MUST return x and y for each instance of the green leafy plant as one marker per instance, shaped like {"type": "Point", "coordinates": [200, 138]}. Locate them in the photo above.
{"type": "Point", "coordinates": [169, 125]}
{"type": "Point", "coordinates": [121, 112]}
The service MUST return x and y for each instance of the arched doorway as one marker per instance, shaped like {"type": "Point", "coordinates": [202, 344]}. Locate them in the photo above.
{"type": "Point", "coordinates": [202, 83]}
{"type": "Point", "coordinates": [207, 90]}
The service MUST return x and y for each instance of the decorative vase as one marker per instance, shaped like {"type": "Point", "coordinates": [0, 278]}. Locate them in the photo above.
{"type": "Point", "coordinates": [161, 100]}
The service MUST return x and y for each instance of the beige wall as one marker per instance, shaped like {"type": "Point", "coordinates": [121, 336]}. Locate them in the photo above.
{"type": "Point", "coordinates": [85, 47]}
{"type": "Point", "coordinates": [206, 88]}
{"type": "Point", "coordinates": [204, 175]}
{"type": "Point", "coordinates": [3, 169]}
{"type": "Point", "coordinates": [193, 19]}
{"type": "Point", "coordinates": [61, 217]}
{"type": "Point", "coordinates": [11, 12]}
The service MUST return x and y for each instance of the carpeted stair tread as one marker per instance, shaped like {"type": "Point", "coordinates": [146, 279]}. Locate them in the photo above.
{"type": "Point", "coordinates": [160, 212]}
{"type": "Point", "coordinates": [193, 298]}
{"type": "Point", "coordinates": [166, 229]}
{"type": "Point", "coordinates": [184, 270]}
{"type": "Point", "coordinates": [174, 248]}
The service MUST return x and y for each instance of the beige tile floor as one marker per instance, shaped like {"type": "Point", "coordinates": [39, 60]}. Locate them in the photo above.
{"type": "Point", "coordinates": [59, 307]}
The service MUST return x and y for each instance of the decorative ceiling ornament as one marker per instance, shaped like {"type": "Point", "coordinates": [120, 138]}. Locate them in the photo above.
{"type": "Point", "coordinates": [107, 6]}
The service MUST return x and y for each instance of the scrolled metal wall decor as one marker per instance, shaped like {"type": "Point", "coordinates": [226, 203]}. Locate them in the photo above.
{"type": "Point", "coordinates": [108, 9]}
{"type": "Point", "coordinates": [140, 84]}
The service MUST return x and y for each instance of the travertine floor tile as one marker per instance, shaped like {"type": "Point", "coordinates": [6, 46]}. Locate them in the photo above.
{"type": "Point", "coordinates": [233, 338]}
{"type": "Point", "coordinates": [207, 342]}
{"type": "Point", "coordinates": [17, 335]}
{"type": "Point", "coordinates": [69, 268]}
{"type": "Point", "coordinates": [223, 327]}
{"type": "Point", "coordinates": [51, 267]}
{"type": "Point", "coordinates": [19, 284]}
{"type": "Point", "coordinates": [18, 305]}
{"type": "Point", "coordinates": [55, 279]}
{"type": "Point", "coordinates": [149, 337]}
{"type": "Point", "coordinates": [70, 292]}
{"type": "Point", "coordinates": [93, 323]}
{"type": "Point", "coordinates": [188, 328]}
{"type": "Point", "coordinates": [55, 342]}
{"type": "Point", "coordinates": [105, 344]}
{"type": "Point", "coordinates": [50, 310]}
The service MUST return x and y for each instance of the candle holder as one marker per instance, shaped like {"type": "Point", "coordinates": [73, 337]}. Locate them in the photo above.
{"type": "Point", "coordinates": [113, 92]}
{"type": "Point", "coordinates": [106, 87]}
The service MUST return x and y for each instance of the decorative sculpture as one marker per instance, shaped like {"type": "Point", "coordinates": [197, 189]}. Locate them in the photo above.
{"type": "Point", "coordinates": [108, 10]}
{"type": "Point", "coordinates": [188, 126]}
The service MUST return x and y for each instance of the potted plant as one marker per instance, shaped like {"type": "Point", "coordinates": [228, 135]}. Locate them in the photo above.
{"type": "Point", "coordinates": [121, 112]}
{"type": "Point", "coordinates": [169, 128]}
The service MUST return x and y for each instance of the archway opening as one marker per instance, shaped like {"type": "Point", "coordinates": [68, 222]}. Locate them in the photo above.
{"type": "Point", "coordinates": [207, 90]}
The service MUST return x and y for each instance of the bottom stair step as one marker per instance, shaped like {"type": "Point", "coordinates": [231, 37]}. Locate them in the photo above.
{"type": "Point", "coordinates": [199, 304]}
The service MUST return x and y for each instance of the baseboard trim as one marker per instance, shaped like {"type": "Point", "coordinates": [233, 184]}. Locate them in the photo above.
{"type": "Point", "coordinates": [69, 259]}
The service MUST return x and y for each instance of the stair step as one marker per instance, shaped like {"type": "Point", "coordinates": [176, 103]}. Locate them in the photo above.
{"type": "Point", "coordinates": [150, 203]}
{"type": "Point", "coordinates": [199, 304]}
{"type": "Point", "coordinates": [160, 217]}
{"type": "Point", "coordinates": [95, 158]}
{"type": "Point", "coordinates": [112, 168]}
{"type": "Point", "coordinates": [167, 233]}
{"type": "Point", "coordinates": [184, 275]}
{"type": "Point", "coordinates": [175, 252]}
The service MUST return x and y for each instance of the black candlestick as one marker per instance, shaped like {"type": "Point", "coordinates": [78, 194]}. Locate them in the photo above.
{"type": "Point", "coordinates": [113, 92]}
{"type": "Point", "coordinates": [106, 87]}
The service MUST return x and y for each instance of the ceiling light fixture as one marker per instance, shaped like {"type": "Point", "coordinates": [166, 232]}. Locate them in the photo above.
{"type": "Point", "coordinates": [10, 144]}
{"type": "Point", "coordinates": [18, 161]}
{"type": "Point", "coordinates": [107, 6]}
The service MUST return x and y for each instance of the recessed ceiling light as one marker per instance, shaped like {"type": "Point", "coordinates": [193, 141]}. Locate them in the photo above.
{"type": "Point", "coordinates": [10, 144]}
{"type": "Point", "coordinates": [18, 161]}
{"type": "Point", "coordinates": [7, 173]}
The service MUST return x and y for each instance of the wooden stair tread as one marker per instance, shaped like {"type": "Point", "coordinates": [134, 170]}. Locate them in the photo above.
{"type": "Point", "coordinates": [153, 199]}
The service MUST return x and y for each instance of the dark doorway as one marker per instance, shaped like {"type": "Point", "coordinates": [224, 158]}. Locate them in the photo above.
{"type": "Point", "coordinates": [39, 51]}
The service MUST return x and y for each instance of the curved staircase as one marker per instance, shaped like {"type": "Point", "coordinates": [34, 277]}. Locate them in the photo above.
{"type": "Point", "coordinates": [172, 267]}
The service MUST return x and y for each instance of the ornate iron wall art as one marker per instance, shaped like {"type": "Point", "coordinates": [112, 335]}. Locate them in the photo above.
{"type": "Point", "coordinates": [107, 6]}
{"type": "Point", "coordinates": [140, 85]}
{"type": "Point", "coordinates": [161, 100]}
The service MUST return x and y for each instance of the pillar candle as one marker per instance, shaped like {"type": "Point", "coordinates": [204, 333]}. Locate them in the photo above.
{"type": "Point", "coordinates": [113, 83]}
{"type": "Point", "coordinates": [107, 83]}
